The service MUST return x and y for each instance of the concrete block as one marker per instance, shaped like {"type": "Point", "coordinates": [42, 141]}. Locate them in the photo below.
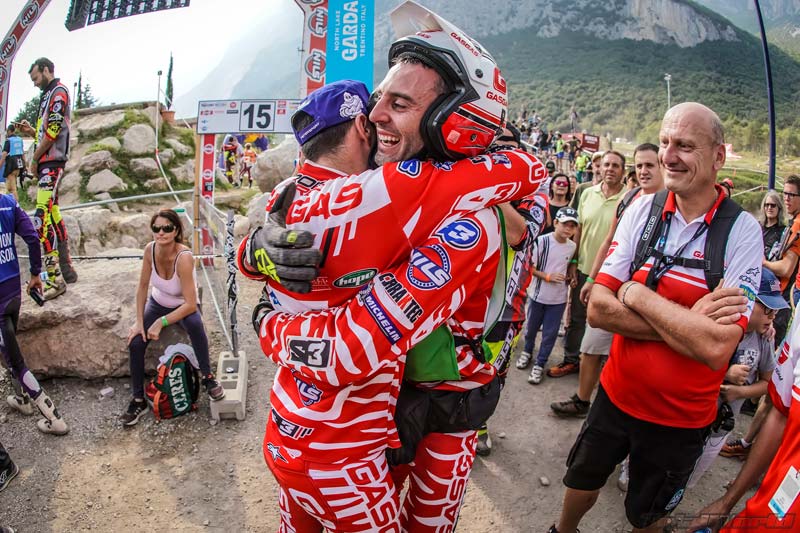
{"type": "Point", "coordinates": [232, 375]}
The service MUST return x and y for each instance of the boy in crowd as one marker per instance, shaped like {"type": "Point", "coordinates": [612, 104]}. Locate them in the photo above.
{"type": "Point", "coordinates": [548, 293]}
{"type": "Point", "coordinates": [750, 370]}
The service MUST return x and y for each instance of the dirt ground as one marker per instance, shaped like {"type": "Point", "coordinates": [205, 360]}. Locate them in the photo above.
{"type": "Point", "coordinates": [191, 475]}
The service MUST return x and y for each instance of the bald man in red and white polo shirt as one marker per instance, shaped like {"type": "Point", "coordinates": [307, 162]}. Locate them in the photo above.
{"type": "Point", "coordinates": [658, 391]}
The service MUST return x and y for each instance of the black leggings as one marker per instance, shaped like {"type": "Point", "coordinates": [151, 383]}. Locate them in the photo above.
{"type": "Point", "coordinates": [9, 347]}
{"type": "Point", "coordinates": [193, 324]}
{"type": "Point", "coordinates": [5, 460]}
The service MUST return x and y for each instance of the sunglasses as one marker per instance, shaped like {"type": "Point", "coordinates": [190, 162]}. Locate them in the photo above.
{"type": "Point", "coordinates": [561, 183]}
{"type": "Point", "coordinates": [770, 206]}
{"type": "Point", "coordinates": [787, 194]}
{"type": "Point", "coordinates": [166, 228]}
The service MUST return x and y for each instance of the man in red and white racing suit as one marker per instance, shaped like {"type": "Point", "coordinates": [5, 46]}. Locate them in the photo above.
{"type": "Point", "coordinates": [340, 369]}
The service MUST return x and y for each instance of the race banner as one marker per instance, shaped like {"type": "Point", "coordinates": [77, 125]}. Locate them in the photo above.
{"type": "Point", "coordinates": [8, 49]}
{"type": "Point", "coordinates": [338, 42]}
{"type": "Point", "coordinates": [315, 29]}
{"type": "Point", "coordinates": [351, 28]}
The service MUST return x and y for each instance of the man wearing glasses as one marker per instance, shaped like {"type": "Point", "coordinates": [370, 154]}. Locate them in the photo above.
{"type": "Point", "coordinates": [783, 259]}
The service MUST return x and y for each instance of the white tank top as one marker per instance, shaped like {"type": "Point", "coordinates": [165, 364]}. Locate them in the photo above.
{"type": "Point", "coordinates": [167, 292]}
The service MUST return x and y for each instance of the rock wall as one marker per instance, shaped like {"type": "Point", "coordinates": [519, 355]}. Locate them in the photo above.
{"type": "Point", "coordinates": [84, 332]}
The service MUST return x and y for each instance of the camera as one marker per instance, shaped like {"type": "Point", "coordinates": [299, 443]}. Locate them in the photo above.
{"type": "Point", "coordinates": [725, 419]}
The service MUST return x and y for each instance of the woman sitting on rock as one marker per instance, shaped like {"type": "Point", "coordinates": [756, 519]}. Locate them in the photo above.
{"type": "Point", "coordinates": [168, 269]}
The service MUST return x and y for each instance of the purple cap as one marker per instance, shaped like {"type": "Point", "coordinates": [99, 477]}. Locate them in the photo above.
{"type": "Point", "coordinates": [329, 106]}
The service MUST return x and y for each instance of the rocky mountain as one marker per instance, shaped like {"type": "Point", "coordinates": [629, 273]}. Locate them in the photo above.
{"type": "Point", "coordinates": [606, 58]}
{"type": "Point", "coordinates": [743, 12]}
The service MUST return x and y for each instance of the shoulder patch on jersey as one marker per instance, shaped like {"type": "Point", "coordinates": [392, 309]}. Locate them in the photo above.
{"type": "Point", "coordinates": [311, 352]}
{"type": "Point", "coordinates": [275, 452]}
{"type": "Point", "coordinates": [429, 267]}
{"type": "Point", "coordinates": [462, 234]}
{"type": "Point", "coordinates": [411, 168]}
{"type": "Point", "coordinates": [355, 279]}
{"type": "Point", "coordinates": [447, 166]}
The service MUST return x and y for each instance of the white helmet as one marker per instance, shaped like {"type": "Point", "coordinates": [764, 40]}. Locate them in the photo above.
{"type": "Point", "coordinates": [464, 121]}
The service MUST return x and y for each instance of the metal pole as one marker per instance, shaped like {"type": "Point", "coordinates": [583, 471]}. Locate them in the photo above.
{"type": "Point", "coordinates": [158, 106]}
{"type": "Point", "coordinates": [770, 97]}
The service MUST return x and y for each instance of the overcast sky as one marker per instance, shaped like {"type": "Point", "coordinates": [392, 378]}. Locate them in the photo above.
{"type": "Point", "coordinates": [121, 58]}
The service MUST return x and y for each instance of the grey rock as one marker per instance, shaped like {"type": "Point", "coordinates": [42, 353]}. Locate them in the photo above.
{"type": "Point", "coordinates": [83, 333]}
{"type": "Point", "coordinates": [257, 210]}
{"type": "Point", "coordinates": [145, 167]}
{"type": "Point", "coordinates": [110, 143]}
{"type": "Point", "coordinates": [94, 124]}
{"type": "Point", "coordinates": [185, 172]}
{"type": "Point", "coordinates": [105, 181]}
{"type": "Point", "coordinates": [273, 166]}
{"type": "Point", "coordinates": [156, 184]}
{"type": "Point", "coordinates": [166, 156]}
{"type": "Point", "coordinates": [241, 226]}
{"type": "Point", "coordinates": [139, 139]}
{"type": "Point", "coordinates": [178, 146]}
{"type": "Point", "coordinates": [113, 207]}
{"type": "Point", "coordinates": [69, 189]}
{"type": "Point", "coordinates": [97, 161]}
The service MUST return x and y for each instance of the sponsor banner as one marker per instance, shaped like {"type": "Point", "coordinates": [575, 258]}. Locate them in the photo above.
{"type": "Point", "coordinates": [25, 21]}
{"type": "Point", "coordinates": [350, 40]}
{"type": "Point", "coordinates": [250, 116]}
{"type": "Point", "coordinates": [315, 31]}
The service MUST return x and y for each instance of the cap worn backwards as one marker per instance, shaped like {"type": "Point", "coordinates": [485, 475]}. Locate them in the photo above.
{"type": "Point", "coordinates": [330, 106]}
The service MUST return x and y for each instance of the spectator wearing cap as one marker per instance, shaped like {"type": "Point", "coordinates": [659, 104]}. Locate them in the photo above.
{"type": "Point", "coordinates": [596, 212]}
{"type": "Point", "coordinates": [548, 291]}
{"type": "Point", "coordinates": [551, 171]}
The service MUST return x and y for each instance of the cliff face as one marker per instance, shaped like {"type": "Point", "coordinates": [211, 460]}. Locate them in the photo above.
{"type": "Point", "coordinates": [659, 21]}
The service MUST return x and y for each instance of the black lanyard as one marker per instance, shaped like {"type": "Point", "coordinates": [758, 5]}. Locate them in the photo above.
{"type": "Point", "coordinates": [665, 262]}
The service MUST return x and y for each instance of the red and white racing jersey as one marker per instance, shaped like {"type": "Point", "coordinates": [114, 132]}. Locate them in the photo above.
{"type": "Point", "coordinates": [418, 236]}
{"type": "Point", "coordinates": [648, 379]}
{"type": "Point", "coordinates": [776, 504]}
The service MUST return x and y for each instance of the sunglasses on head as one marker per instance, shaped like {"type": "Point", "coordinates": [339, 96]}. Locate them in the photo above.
{"type": "Point", "coordinates": [166, 228]}
{"type": "Point", "coordinates": [770, 206]}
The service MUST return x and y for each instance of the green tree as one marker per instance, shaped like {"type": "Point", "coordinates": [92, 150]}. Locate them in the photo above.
{"type": "Point", "coordinates": [29, 111]}
{"type": "Point", "coordinates": [87, 99]}
{"type": "Point", "coordinates": [169, 89]}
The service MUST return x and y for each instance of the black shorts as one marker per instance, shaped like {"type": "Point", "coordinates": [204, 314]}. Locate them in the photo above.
{"type": "Point", "coordinates": [13, 164]}
{"type": "Point", "coordinates": [662, 459]}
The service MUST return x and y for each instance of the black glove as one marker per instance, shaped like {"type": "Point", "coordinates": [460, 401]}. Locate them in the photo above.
{"type": "Point", "coordinates": [263, 307]}
{"type": "Point", "coordinates": [282, 254]}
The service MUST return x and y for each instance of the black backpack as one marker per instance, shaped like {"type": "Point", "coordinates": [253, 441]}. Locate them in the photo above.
{"type": "Point", "coordinates": [713, 263]}
{"type": "Point", "coordinates": [629, 197]}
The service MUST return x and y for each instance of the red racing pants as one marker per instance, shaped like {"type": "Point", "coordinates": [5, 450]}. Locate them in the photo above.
{"type": "Point", "coordinates": [437, 482]}
{"type": "Point", "coordinates": [358, 496]}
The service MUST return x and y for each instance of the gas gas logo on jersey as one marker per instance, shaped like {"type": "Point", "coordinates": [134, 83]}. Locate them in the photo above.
{"type": "Point", "coordinates": [326, 204]}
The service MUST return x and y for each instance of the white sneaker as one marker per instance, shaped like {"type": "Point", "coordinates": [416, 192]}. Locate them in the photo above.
{"type": "Point", "coordinates": [536, 375]}
{"type": "Point", "coordinates": [622, 482]}
{"type": "Point", "coordinates": [23, 404]}
{"type": "Point", "coordinates": [524, 360]}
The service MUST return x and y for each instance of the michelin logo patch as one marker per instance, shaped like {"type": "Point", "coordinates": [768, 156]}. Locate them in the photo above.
{"type": "Point", "coordinates": [380, 315]}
